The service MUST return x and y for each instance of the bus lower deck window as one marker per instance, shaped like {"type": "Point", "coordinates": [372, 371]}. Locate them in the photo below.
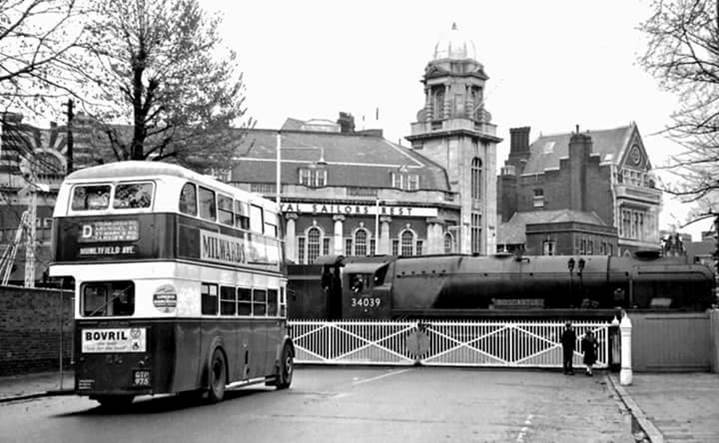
{"type": "Point", "coordinates": [272, 302]}
{"type": "Point", "coordinates": [259, 305]}
{"type": "Point", "coordinates": [108, 299]}
{"type": "Point", "coordinates": [244, 301]}
{"type": "Point", "coordinates": [209, 299]}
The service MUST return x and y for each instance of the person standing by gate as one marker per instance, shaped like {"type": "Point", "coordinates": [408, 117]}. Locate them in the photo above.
{"type": "Point", "coordinates": [590, 347]}
{"type": "Point", "coordinates": [569, 340]}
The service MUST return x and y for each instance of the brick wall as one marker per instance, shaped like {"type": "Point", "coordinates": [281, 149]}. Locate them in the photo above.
{"type": "Point", "coordinates": [30, 329]}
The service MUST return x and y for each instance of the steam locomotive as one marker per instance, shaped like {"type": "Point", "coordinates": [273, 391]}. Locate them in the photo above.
{"type": "Point", "coordinates": [465, 286]}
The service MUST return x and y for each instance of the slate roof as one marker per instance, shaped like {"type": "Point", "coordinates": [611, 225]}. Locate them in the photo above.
{"type": "Point", "coordinates": [513, 231]}
{"type": "Point", "coordinates": [608, 143]}
{"type": "Point", "coordinates": [364, 160]}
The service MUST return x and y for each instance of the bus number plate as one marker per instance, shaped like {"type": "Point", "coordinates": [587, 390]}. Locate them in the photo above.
{"type": "Point", "coordinates": [141, 377]}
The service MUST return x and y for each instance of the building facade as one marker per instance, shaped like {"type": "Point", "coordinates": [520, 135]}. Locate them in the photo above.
{"type": "Point", "coordinates": [604, 176]}
{"type": "Point", "coordinates": [355, 193]}
{"type": "Point", "coordinates": [349, 193]}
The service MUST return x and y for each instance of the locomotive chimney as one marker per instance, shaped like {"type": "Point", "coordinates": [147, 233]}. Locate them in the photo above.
{"type": "Point", "coordinates": [580, 147]}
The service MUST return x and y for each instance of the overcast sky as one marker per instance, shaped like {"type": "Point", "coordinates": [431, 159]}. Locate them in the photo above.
{"type": "Point", "coordinates": [552, 65]}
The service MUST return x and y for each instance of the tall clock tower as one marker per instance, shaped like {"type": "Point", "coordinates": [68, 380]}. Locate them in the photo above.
{"type": "Point", "coordinates": [454, 129]}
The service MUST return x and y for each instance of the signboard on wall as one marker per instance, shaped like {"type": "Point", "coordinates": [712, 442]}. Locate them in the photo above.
{"type": "Point", "coordinates": [332, 209]}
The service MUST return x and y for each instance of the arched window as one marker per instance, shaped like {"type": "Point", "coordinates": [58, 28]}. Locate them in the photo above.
{"type": "Point", "coordinates": [313, 244]}
{"type": "Point", "coordinates": [438, 103]}
{"type": "Point", "coordinates": [448, 243]}
{"type": "Point", "coordinates": [361, 242]}
{"type": "Point", "coordinates": [407, 240]}
{"type": "Point", "coordinates": [476, 178]}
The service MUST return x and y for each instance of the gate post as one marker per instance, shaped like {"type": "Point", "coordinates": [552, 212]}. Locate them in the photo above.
{"type": "Point", "coordinates": [625, 329]}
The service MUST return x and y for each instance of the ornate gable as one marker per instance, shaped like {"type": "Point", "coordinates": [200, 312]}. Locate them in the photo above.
{"type": "Point", "coordinates": [633, 155]}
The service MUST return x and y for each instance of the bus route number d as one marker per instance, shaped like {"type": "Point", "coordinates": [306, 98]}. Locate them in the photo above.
{"type": "Point", "coordinates": [86, 232]}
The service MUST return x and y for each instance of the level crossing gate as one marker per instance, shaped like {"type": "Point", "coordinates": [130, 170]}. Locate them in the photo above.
{"type": "Point", "coordinates": [528, 344]}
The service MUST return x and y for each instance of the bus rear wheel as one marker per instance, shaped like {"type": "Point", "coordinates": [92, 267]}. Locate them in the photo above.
{"type": "Point", "coordinates": [218, 377]}
{"type": "Point", "coordinates": [286, 369]}
{"type": "Point", "coordinates": [114, 402]}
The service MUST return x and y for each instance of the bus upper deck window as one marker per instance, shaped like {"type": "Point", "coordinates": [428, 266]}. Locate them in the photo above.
{"type": "Point", "coordinates": [90, 197]}
{"type": "Point", "coordinates": [242, 215]}
{"type": "Point", "coordinates": [270, 224]}
{"type": "Point", "coordinates": [132, 195]}
{"type": "Point", "coordinates": [208, 209]}
{"type": "Point", "coordinates": [224, 210]}
{"type": "Point", "coordinates": [188, 199]}
{"type": "Point", "coordinates": [257, 220]}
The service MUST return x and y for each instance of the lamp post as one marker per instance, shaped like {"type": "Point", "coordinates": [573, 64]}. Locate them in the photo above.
{"type": "Point", "coordinates": [278, 168]}
{"type": "Point", "coordinates": [376, 224]}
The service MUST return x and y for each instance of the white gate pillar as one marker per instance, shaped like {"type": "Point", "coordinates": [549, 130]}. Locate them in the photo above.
{"type": "Point", "coordinates": [290, 238]}
{"type": "Point", "coordinates": [338, 247]}
{"type": "Point", "coordinates": [625, 329]}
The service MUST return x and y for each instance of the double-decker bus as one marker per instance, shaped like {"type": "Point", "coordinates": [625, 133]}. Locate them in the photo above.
{"type": "Point", "coordinates": [178, 283]}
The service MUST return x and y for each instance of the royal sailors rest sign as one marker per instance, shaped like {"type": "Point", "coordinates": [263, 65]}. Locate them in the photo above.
{"type": "Point", "coordinates": [393, 211]}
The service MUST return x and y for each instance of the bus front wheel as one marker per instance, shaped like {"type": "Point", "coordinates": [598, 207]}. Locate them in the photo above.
{"type": "Point", "coordinates": [114, 402]}
{"type": "Point", "coordinates": [284, 378]}
{"type": "Point", "coordinates": [218, 377]}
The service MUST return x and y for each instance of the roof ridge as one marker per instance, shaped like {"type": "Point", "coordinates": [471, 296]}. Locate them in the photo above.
{"type": "Point", "coordinates": [561, 134]}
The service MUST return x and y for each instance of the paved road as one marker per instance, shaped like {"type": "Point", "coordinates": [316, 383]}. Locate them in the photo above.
{"type": "Point", "coordinates": [349, 405]}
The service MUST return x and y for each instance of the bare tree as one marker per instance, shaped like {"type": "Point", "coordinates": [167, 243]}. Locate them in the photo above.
{"type": "Point", "coordinates": [683, 54]}
{"type": "Point", "coordinates": [162, 83]}
{"type": "Point", "coordinates": [36, 42]}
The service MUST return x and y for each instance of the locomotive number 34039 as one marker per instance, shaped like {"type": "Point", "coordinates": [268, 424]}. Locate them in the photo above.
{"type": "Point", "coordinates": [366, 302]}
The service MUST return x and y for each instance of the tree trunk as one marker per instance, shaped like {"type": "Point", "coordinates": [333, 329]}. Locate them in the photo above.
{"type": "Point", "coordinates": [138, 137]}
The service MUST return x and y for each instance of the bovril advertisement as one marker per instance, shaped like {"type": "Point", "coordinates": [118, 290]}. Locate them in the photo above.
{"type": "Point", "coordinates": [114, 340]}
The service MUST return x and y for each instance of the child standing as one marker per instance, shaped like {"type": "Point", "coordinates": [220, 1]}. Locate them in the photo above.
{"type": "Point", "coordinates": [590, 347]}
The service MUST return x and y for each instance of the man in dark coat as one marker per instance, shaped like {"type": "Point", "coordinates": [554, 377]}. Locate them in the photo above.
{"type": "Point", "coordinates": [569, 342]}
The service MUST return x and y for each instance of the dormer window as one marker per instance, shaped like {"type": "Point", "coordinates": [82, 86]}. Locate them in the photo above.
{"type": "Point", "coordinates": [405, 181]}
{"type": "Point", "coordinates": [313, 177]}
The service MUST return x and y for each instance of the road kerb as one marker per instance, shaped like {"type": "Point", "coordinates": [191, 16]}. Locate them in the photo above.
{"type": "Point", "coordinates": [651, 431]}
{"type": "Point", "coordinates": [20, 397]}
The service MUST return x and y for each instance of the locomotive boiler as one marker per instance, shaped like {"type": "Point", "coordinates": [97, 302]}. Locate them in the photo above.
{"type": "Point", "coordinates": [456, 286]}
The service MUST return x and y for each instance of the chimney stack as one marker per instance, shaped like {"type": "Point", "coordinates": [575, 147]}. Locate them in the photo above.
{"type": "Point", "coordinates": [518, 148]}
{"type": "Point", "coordinates": [346, 122]}
{"type": "Point", "coordinates": [519, 143]}
{"type": "Point", "coordinates": [580, 147]}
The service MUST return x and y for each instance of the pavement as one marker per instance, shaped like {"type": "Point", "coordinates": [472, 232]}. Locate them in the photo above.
{"type": "Point", "coordinates": [681, 407]}
{"type": "Point", "coordinates": [41, 384]}
{"type": "Point", "coordinates": [673, 406]}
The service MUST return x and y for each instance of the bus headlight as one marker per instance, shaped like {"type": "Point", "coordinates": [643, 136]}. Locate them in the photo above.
{"type": "Point", "coordinates": [165, 298]}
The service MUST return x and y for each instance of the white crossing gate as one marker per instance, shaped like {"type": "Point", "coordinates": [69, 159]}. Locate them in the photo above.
{"type": "Point", "coordinates": [530, 344]}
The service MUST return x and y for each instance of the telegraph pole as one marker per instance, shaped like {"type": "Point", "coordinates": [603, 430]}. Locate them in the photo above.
{"type": "Point", "coordinates": [716, 242]}
{"type": "Point", "coordinates": [31, 243]}
{"type": "Point", "coordinates": [70, 117]}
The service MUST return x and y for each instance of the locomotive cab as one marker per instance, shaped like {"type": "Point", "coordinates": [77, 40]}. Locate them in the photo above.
{"type": "Point", "coordinates": [364, 293]}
